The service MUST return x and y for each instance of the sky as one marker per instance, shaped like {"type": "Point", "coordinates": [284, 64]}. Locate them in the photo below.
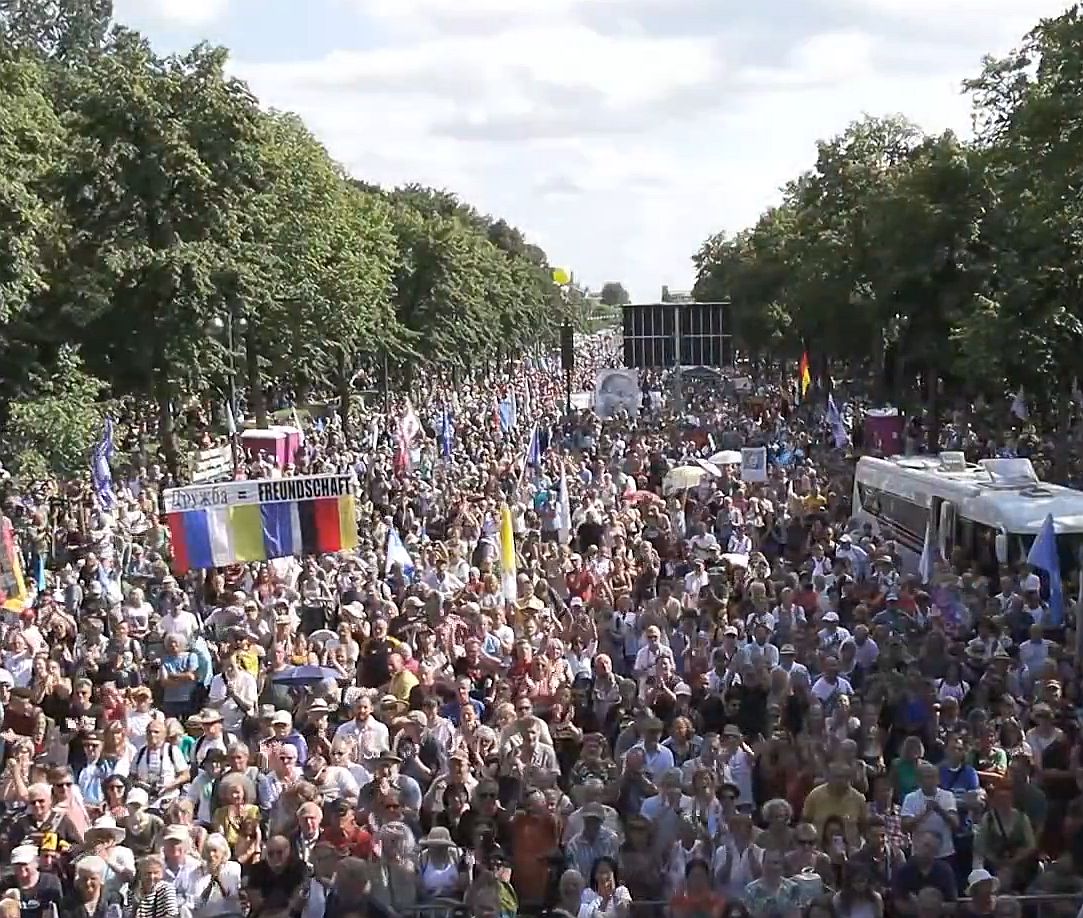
{"type": "Point", "coordinates": [616, 134]}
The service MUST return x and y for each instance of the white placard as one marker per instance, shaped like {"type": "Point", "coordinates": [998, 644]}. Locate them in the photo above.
{"type": "Point", "coordinates": [260, 491]}
{"type": "Point", "coordinates": [754, 463]}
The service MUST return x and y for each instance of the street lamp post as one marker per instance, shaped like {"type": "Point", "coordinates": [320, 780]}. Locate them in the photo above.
{"type": "Point", "coordinates": [220, 326]}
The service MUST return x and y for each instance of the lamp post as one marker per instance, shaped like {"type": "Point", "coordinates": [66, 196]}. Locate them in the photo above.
{"type": "Point", "coordinates": [223, 326]}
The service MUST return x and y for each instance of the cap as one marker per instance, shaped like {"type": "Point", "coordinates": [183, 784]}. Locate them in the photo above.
{"type": "Point", "coordinates": [138, 797]}
{"type": "Point", "coordinates": [1032, 583]}
{"type": "Point", "coordinates": [830, 617]}
{"type": "Point", "coordinates": [593, 811]}
{"type": "Point", "coordinates": [730, 632]}
{"type": "Point", "coordinates": [282, 717]}
{"type": "Point", "coordinates": [732, 730]}
{"type": "Point", "coordinates": [24, 854]}
{"type": "Point", "coordinates": [176, 833]}
{"type": "Point", "coordinates": [210, 716]}
{"type": "Point", "coordinates": [787, 649]}
{"type": "Point", "coordinates": [682, 688]}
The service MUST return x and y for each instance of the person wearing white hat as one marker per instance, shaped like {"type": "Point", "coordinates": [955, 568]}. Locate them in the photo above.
{"type": "Point", "coordinates": [37, 891]}
{"type": "Point", "coordinates": [103, 839]}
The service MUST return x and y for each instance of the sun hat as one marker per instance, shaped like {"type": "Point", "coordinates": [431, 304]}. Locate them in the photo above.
{"type": "Point", "coordinates": [105, 826]}
{"type": "Point", "coordinates": [438, 837]}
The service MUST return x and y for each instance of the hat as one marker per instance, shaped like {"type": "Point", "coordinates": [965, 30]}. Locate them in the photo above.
{"type": "Point", "coordinates": [390, 701]}
{"type": "Point", "coordinates": [593, 811]}
{"type": "Point", "coordinates": [981, 875]}
{"type": "Point", "coordinates": [533, 604]}
{"type": "Point", "coordinates": [104, 826]}
{"type": "Point", "coordinates": [975, 648]}
{"type": "Point", "coordinates": [138, 797]}
{"type": "Point", "coordinates": [830, 617]}
{"type": "Point", "coordinates": [1032, 583]}
{"type": "Point", "coordinates": [411, 718]}
{"type": "Point", "coordinates": [209, 716]}
{"type": "Point", "coordinates": [6, 678]}
{"type": "Point", "coordinates": [787, 649]}
{"type": "Point", "coordinates": [438, 837]}
{"type": "Point", "coordinates": [730, 632]}
{"type": "Point", "coordinates": [845, 539]}
{"type": "Point", "coordinates": [732, 730]}
{"type": "Point", "coordinates": [389, 758]}
{"type": "Point", "coordinates": [176, 833]}
{"type": "Point", "coordinates": [266, 711]}
{"type": "Point", "coordinates": [282, 717]}
{"type": "Point", "coordinates": [682, 688]}
{"type": "Point", "coordinates": [319, 706]}
{"type": "Point", "coordinates": [24, 854]}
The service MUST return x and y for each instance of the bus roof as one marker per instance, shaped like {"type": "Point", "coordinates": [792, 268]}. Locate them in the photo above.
{"type": "Point", "coordinates": [997, 493]}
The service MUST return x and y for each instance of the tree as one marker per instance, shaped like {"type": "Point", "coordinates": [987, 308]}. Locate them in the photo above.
{"type": "Point", "coordinates": [614, 294]}
{"type": "Point", "coordinates": [51, 430]}
{"type": "Point", "coordinates": [67, 30]}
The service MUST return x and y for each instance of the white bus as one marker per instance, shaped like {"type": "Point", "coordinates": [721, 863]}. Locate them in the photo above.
{"type": "Point", "coordinates": [992, 511]}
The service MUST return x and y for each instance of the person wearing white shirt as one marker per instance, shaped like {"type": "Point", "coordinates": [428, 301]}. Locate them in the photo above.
{"type": "Point", "coordinates": [740, 542]}
{"type": "Point", "coordinates": [830, 685]}
{"type": "Point", "coordinates": [867, 650]}
{"type": "Point", "coordinates": [646, 660]}
{"type": "Point", "coordinates": [759, 649]}
{"type": "Point", "coordinates": [216, 892]}
{"type": "Point", "coordinates": [931, 809]}
{"type": "Point", "coordinates": [367, 732]}
{"type": "Point", "coordinates": [831, 636]}
{"type": "Point", "coordinates": [669, 797]}
{"type": "Point", "coordinates": [787, 662]}
{"type": "Point", "coordinates": [180, 622]}
{"type": "Point", "coordinates": [1034, 652]}
{"type": "Point", "coordinates": [233, 693]}
{"type": "Point", "coordinates": [657, 759]}
{"type": "Point", "coordinates": [694, 581]}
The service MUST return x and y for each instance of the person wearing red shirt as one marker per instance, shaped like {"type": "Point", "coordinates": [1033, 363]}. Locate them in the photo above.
{"type": "Point", "coordinates": [580, 582]}
{"type": "Point", "coordinates": [343, 833]}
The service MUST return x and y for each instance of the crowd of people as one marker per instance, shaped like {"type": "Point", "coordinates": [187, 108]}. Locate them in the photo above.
{"type": "Point", "coordinates": [721, 701]}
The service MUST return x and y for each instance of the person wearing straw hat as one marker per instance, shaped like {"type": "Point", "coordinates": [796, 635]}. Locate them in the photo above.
{"type": "Point", "coordinates": [439, 869]}
{"type": "Point", "coordinates": [103, 839]}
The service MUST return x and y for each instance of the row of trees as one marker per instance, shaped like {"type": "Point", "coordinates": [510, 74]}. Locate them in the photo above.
{"type": "Point", "coordinates": [933, 266]}
{"type": "Point", "coordinates": [149, 206]}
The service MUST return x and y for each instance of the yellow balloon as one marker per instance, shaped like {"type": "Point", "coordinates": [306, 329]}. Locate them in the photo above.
{"type": "Point", "coordinates": [560, 276]}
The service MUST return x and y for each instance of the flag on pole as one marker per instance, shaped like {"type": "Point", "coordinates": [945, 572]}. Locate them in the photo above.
{"type": "Point", "coordinates": [527, 412]}
{"type": "Point", "coordinates": [508, 412]}
{"type": "Point", "coordinates": [409, 425]}
{"type": "Point", "coordinates": [508, 567]}
{"type": "Point", "coordinates": [297, 424]}
{"type": "Point", "coordinates": [231, 421]}
{"type": "Point", "coordinates": [447, 434]}
{"type": "Point", "coordinates": [534, 450]}
{"type": "Point", "coordinates": [1043, 556]}
{"type": "Point", "coordinates": [804, 377]}
{"type": "Point", "coordinates": [1019, 405]}
{"type": "Point", "coordinates": [397, 554]}
{"type": "Point", "coordinates": [564, 509]}
{"type": "Point", "coordinates": [100, 473]}
{"type": "Point", "coordinates": [838, 427]}
{"type": "Point", "coordinates": [929, 554]}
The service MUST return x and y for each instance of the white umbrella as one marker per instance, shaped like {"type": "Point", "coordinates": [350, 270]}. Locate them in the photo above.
{"type": "Point", "coordinates": [682, 478]}
{"type": "Point", "coordinates": [727, 457]}
{"type": "Point", "coordinates": [710, 468]}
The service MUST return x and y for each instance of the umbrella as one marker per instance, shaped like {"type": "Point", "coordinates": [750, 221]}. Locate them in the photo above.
{"type": "Point", "coordinates": [727, 457]}
{"type": "Point", "coordinates": [710, 468]}
{"type": "Point", "coordinates": [682, 478]}
{"type": "Point", "coordinates": [304, 675]}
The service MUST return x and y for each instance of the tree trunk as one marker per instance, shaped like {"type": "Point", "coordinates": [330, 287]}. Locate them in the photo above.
{"type": "Point", "coordinates": [343, 385]}
{"type": "Point", "coordinates": [167, 434]}
{"type": "Point", "coordinates": [1063, 442]}
{"type": "Point", "coordinates": [932, 399]}
{"type": "Point", "coordinates": [255, 382]}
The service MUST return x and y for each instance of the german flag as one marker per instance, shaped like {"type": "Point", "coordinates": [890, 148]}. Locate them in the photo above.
{"type": "Point", "coordinates": [804, 378]}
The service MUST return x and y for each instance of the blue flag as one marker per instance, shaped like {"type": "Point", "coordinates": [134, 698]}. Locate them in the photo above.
{"type": "Point", "coordinates": [447, 433]}
{"type": "Point", "coordinates": [534, 450]}
{"type": "Point", "coordinates": [1043, 556]}
{"type": "Point", "coordinates": [100, 473]}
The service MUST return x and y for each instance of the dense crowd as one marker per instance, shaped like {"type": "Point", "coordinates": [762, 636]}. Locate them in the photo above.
{"type": "Point", "coordinates": [716, 701]}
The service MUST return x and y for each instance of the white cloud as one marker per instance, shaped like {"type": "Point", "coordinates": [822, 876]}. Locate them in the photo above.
{"type": "Point", "coordinates": [184, 13]}
{"type": "Point", "coordinates": [619, 133]}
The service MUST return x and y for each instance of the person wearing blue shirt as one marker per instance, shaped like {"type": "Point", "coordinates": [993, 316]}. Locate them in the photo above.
{"type": "Point", "coordinates": [963, 781]}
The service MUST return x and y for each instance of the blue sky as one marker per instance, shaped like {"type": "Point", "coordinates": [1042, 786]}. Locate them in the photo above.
{"type": "Point", "coordinates": [617, 134]}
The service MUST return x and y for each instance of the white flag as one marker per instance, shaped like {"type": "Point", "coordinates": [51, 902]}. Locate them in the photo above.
{"type": "Point", "coordinates": [397, 554]}
{"type": "Point", "coordinates": [1019, 405]}
{"type": "Point", "coordinates": [564, 509]}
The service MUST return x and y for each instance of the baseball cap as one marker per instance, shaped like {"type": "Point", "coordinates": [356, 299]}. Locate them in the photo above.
{"type": "Point", "coordinates": [830, 617]}
{"type": "Point", "coordinates": [137, 796]}
{"type": "Point", "coordinates": [24, 854]}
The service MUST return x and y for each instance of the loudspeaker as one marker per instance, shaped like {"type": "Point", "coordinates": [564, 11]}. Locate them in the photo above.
{"type": "Point", "coordinates": [567, 347]}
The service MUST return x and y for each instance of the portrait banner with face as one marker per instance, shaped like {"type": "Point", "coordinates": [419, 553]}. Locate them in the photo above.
{"type": "Point", "coordinates": [616, 391]}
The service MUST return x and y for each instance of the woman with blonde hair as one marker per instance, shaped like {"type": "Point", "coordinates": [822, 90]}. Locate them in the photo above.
{"type": "Point", "coordinates": [15, 781]}
{"type": "Point", "coordinates": [117, 750]}
{"type": "Point", "coordinates": [396, 884]}
{"type": "Point", "coordinates": [228, 818]}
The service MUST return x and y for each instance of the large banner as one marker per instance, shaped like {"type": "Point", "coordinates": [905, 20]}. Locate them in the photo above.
{"type": "Point", "coordinates": [12, 584]}
{"type": "Point", "coordinates": [754, 463]}
{"type": "Point", "coordinates": [240, 521]}
{"type": "Point", "coordinates": [615, 391]}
